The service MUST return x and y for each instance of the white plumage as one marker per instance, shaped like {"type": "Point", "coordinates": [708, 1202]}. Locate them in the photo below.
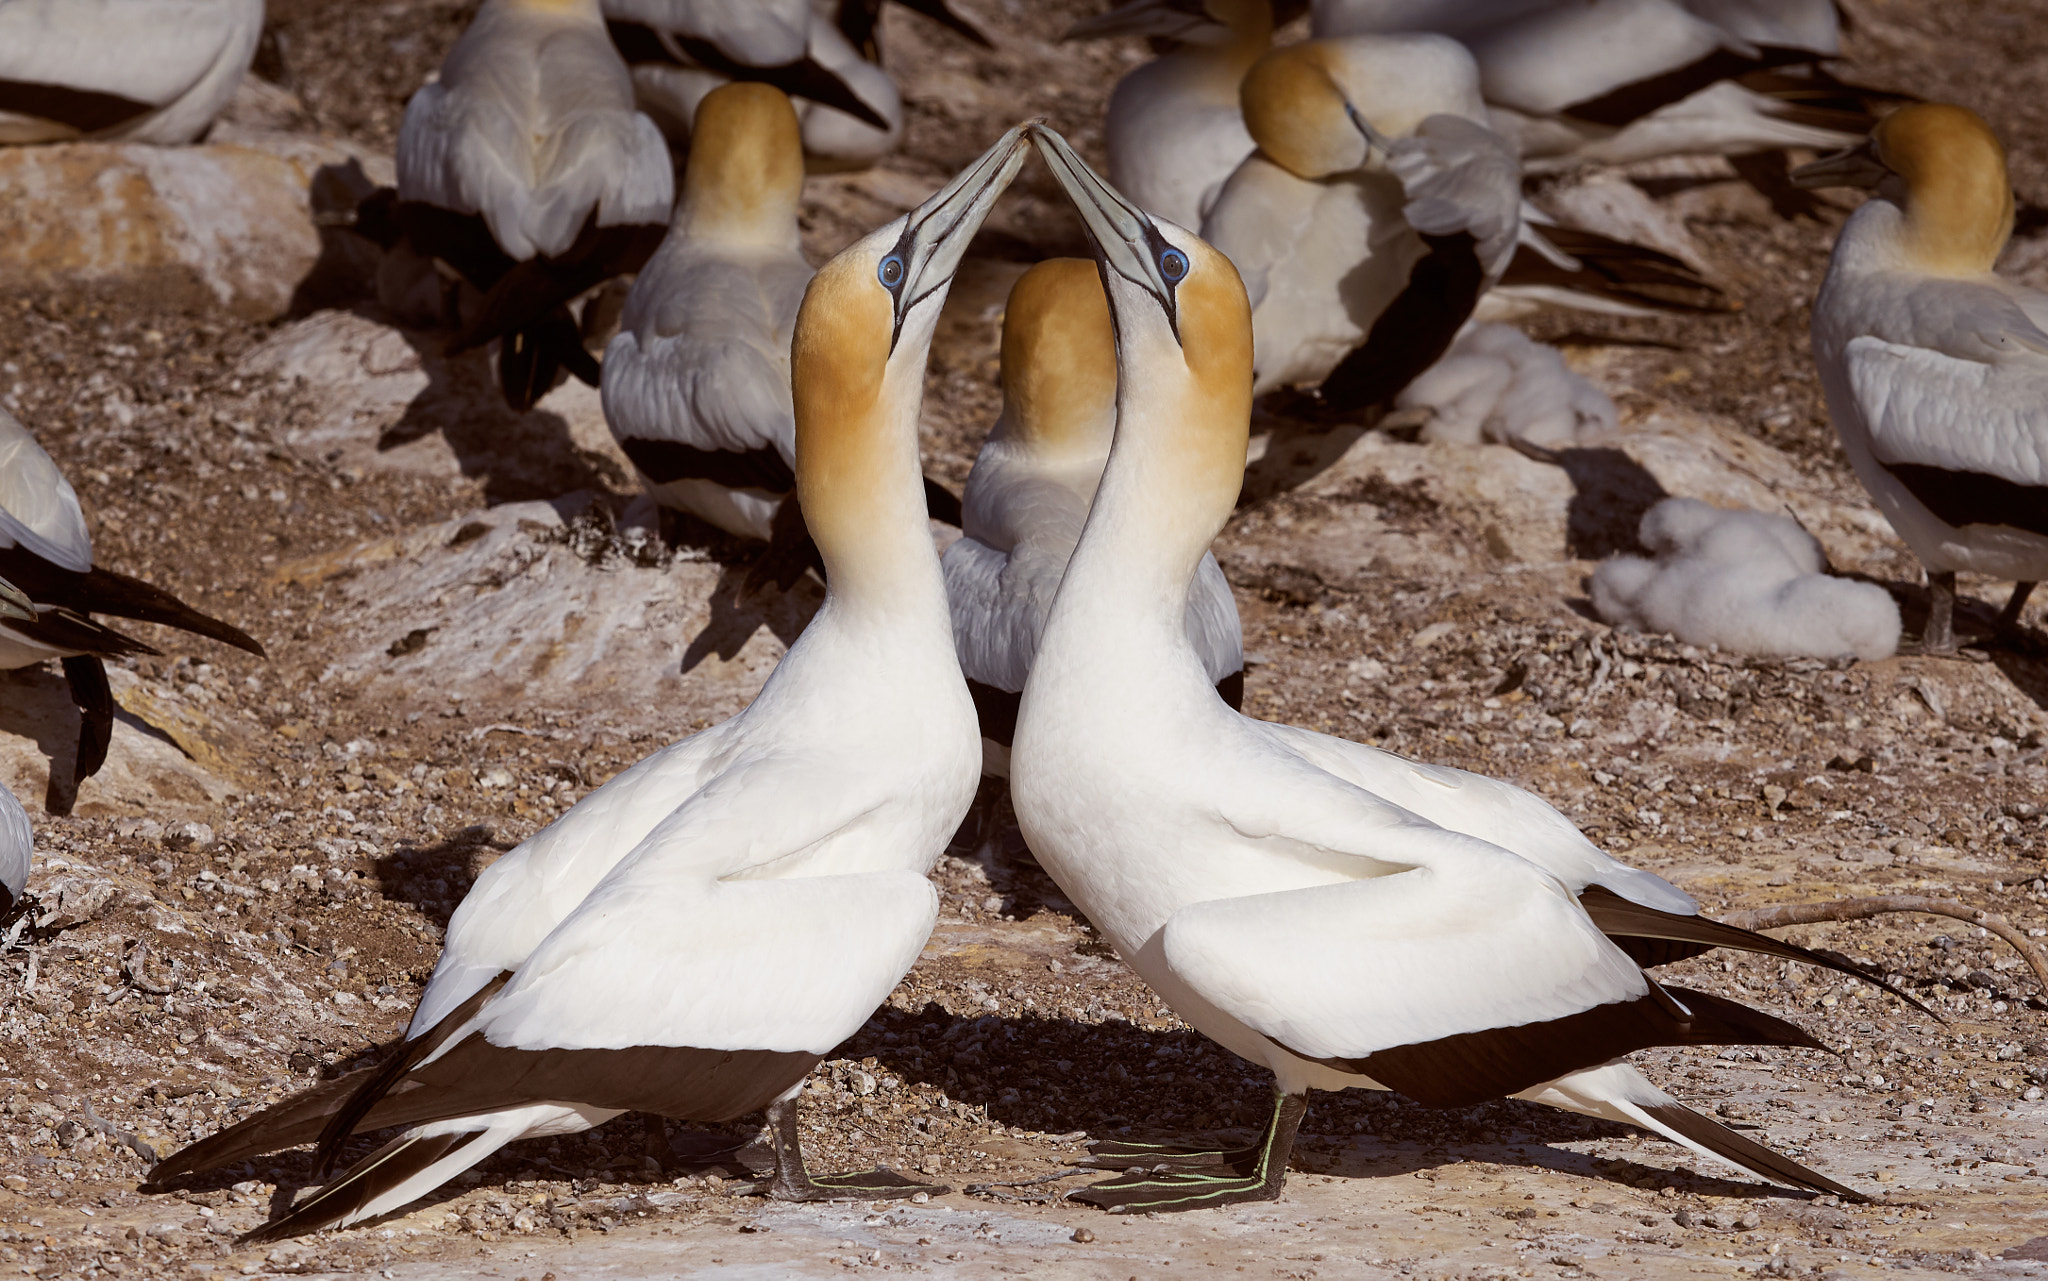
{"type": "Point", "coordinates": [1935, 368]}
{"type": "Point", "coordinates": [1339, 915]}
{"type": "Point", "coordinates": [1497, 384]}
{"type": "Point", "coordinates": [128, 70]}
{"type": "Point", "coordinates": [17, 842]}
{"type": "Point", "coordinates": [693, 936]}
{"type": "Point", "coordinates": [696, 383]}
{"type": "Point", "coordinates": [1613, 81]}
{"type": "Point", "coordinates": [1174, 130]}
{"type": "Point", "coordinates": [39, 509]}
{"type": "Point", "coordinates": [1029, 492]}
{"type": "Point", "coordinates": [1746, 582]}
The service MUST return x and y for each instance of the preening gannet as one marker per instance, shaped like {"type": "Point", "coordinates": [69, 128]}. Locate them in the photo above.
{"type": "Point", "coordinates": [525, 168]}
{"type": "Point", "coordinates": [1175, 131]}
{"type": "Point", "coordinates": [1029, 493]}
{"type": "Point", "coordinates": [1377, 209]}
{"type": "Point", "coordinates": [696, 382]}
{"type": "Point", "coordinates": [46, 557]}
{"type": "Point", "coordinates": [822, 52]}
{"type": "Point", "coordinates": [121, 70]}
{"type": "Point", "coordinates": [1340, 915]}
{"type": "Point", "coordinates": [1613, 81]}
{"type": "Point", "coordinates": [692, 937]}
{"type": "Point", "coordinates": [1935, 368]}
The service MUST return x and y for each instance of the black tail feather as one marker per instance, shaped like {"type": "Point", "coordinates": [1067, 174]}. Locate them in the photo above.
{"type": "Point", "coordinates": [365, 1181]}
{"type": "Point", "coordinates": [1745, 1152]}
{"type": "Point", "coordinates": [107, 592]}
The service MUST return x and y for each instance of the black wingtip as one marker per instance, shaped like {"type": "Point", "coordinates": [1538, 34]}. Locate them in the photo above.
{"type": "Point", "coordinates": [365, 1181]}
{"type": "Point", "coordinates": [1745, 1152]}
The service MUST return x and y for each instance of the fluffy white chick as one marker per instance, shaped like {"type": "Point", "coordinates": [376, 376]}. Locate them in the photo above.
{"type": "Point", "coordinates": [1497, 384]}
{"type": "Point", "coordinates": [1745, 582]}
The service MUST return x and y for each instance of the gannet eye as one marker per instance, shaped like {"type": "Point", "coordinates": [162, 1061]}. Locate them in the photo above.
{"type": "Point", "coordinates": [1173, 265]}
{"type": "Point", "coordinates": [891, 271]}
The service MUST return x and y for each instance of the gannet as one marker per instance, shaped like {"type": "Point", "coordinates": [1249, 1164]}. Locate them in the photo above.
{"type": "Point", "coordinates": [696, 382]}
{"type": "Point", "coordinates": [525, 168]}
{"type": "Point", "coordinates": [46, 557]}
{"type": "Point", "coordinates": [1378, 208]}
{"type": "Point", "coordinates": [1175, 131]}
{"type": "Point", "coordinates": [1935, 368]}
{"type": "Point", "coordinates": [691, 938]}
{"type": "Point", "coordinates": [822, 52]}
{"type": "Point", "coordinates": [1339, 915]}
{"type": "Point", "coordinates": [1576, 82]}
{"type": "Point", "coordinates": [1029, 492]}
{"type": "Point", "coordinates": [17, 840]}
{"type": "Point", "coordinates": [121, 70]}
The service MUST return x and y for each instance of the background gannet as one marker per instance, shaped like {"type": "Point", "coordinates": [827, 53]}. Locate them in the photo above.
{"type": "Point", "coordinates": [1029, 493]}
{"type": "Point", "coordinates": [1935, 368]}
{"type": "Point", "coordinates": [696, 382]}
{"type": "Point", "coordinates": [131, 70]}
{"type": "Point", "coordinates": [17, 840]}
{"type": "Point", "coordinates": [526, 169]}
{"type": "Point", "coordinates": [1613, 81]}
{"type": "Point", "coordinates": [1175, 131]}
{"type": "Point", "coordinates": [822, 52]}
{"type": "Point", "coordinates": [1377, 209]}
{"type": "Point", "coordinates": [1336, 914]}
{"type": "Point", "coordinates": [46, 555]}
{"type": "Point", "coordinates": [694, 936]}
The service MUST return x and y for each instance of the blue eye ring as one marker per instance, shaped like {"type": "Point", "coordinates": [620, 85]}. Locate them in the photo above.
{"type": "Point", "coordinates": [890, 273]}
{"type": "Point", "coordinates": [1173, 265]}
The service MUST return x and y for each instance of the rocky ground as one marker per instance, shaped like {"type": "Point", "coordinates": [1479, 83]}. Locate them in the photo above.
{"type": "Point", "coordinates": [471, 623]}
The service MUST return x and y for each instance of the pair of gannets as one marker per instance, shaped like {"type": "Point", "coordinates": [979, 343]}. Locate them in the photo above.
{"type": "Point", "coordinates": [692, 937]}
{"type": "Point", "coordinates": [823, 52]}
{"type": "Point", "coordinates": [121, 70]}
{"type": "Point", "coordinates": [526, 169]}
{"type": "Point", "coordinates": [1613, 81]}
{"type": "Point", "coordinates": [1935, 368]}
{"type": "Point", "coordinates": [696, 383]}
{"type": "Point", "coordinates": [1340, 915]}
{"type": "Point", "coordinates": [54, 589]}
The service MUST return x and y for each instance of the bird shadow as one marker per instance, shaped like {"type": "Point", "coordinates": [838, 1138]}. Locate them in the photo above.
{"type": "Point", "coordinates": [345, 271]}
{"type": "Point", "coordinates": [1610, 493]}
{"type": "Point", "coordinates": [435, 877]}
{"type": "Point", "coordinates": [738, 611]}
{"type": "Point", "coordinates": [35, 704]}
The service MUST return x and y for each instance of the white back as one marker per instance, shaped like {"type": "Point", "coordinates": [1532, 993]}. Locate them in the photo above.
{"type": "Point", "coordinates": [39, 510]}
{"type": "Point", "coordinates": [185, 57]}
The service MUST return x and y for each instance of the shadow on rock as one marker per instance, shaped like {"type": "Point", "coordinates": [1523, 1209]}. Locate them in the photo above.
{"type": "Point", "coordinates": [737, 613]}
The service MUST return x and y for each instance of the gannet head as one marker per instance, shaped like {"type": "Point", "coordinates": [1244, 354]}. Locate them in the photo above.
{"type": "Point", "coordinates": [14, 603]}
{"type": "Point", "coordinates": [1210, 22]}
{"type": "Point", "coordinates": [1944, 167]}
{"type": "Point", "coordinates": [1319, 107]}
{"type": "Point", "coordinates": [1183, 329]}
{"type": "Point", "coordinates": [1059, 360]}
{"type": "Point", "coordinates": [746, 171]}
{"type": "Point", "coordinates": [857, 357]}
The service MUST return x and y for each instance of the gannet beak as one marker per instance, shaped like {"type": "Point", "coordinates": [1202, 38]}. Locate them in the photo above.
{"type": "Point", "coordinates": [15, 604]}
{"type": "Point", "coordinates": [1127, 241]}
{"type": "Point", "coordinates": [936, 234]}
{"type": "Point", "coordinates": [1856, 167]}
{"type": "Point", "coordinates": [1160, 19]}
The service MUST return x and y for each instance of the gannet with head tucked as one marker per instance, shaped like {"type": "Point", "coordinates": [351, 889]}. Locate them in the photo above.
{"type": "Point", "coordinates": [1935, 368]}
{"type": "Point", "coordinates": [692, 937]}
{"type": "Point", "coordinates": [1175, 131]}
{"type": "Point", "coordinates": [1613, 81]}
{"type": "Point", "coordinates": [525, 168]}
{"type": "Point", "coordinates": [1377, 209]}
{"type": "Point", "coordinates": [121, 70]}
{"type": "Point", "coordinates": [696, 382]}
{"type": "Point", "coordinates": [1339, 915]}
{"type": "Point", "coordinates": [1029, 493]}
{"type": "Point", "coordinates": [46, 559]}
{"type": "Point", "coordinates": [822, 52]}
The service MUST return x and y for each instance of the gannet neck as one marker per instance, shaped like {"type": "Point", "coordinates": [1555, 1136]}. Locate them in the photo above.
{"type": "Point", "coordinates": [580, 9]}
{"type": "Point", "coordinates": [746, 174]}
{"type": "Point", "coordinates": [1058, 364]}
{"type": "Point", "coordinates": [1950, 179]}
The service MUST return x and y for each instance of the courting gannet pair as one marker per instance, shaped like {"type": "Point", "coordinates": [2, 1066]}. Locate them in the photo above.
{"type": "Point", "coordinates": [696, 384]}
{"type": "Point", "coordinates": [526, 169]}
{"type": "Point", "coordinates": [1335, 913]}
{"type": "Point", "coordinates": [692, 937]}
{"type": "Point", "coordinates": [1934, 367]}
{"type": "Point", "coordinates": [1614, 81]}
{"type": "Point", "coordinates": [46, 562]}
{"type": "Point", "coordinates": [121, 70]}
{"type": "Point", "coordinates": [1028, 496]}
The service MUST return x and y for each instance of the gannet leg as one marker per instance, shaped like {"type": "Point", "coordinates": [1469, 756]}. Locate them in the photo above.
{"type": "Point", "coordinates": [1939, 636]}
{"type": "Point", "coordinates": [2015, 605]}
{"type": "Point", "coordinates": [1256, 1173]}
{"type": "Point", "coordinates": [793, 1183]}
